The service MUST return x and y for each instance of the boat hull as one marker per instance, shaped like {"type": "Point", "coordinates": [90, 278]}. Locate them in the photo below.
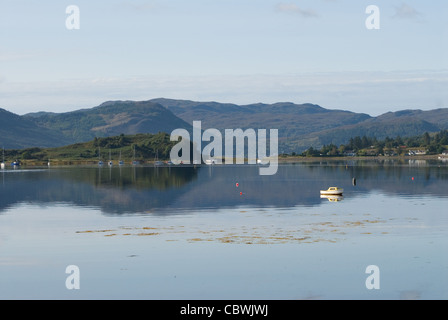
{"type": "Point", "coordinates": [333, 191]}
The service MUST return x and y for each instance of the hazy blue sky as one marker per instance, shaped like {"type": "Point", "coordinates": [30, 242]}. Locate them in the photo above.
{"type": "Point", "coordinates": [240, 51]}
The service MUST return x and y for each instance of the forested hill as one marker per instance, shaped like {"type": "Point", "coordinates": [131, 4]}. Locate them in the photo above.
{"type": "Point", "coordinates": [110, 119]}
{"type": "Point", "coordinates": [308, 125]}
{"type": "Point", "coordinates": [48, 129]}
{"type": "Point", "coordinates": [300, 125]}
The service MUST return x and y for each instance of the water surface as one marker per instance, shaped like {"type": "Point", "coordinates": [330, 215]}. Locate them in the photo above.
{"type": "Point", "coordinates": [225, 232]}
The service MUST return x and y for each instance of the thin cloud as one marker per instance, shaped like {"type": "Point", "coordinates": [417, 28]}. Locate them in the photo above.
{"type": "Point", "coordinates": [407, 12]}
{"type": "Point", "coordinates": [295, 9]}
{"type": "Point", "coordinates": [369, 92]}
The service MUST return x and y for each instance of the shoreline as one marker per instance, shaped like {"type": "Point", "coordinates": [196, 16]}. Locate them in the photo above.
{"type": "Point", "coordinates": [346, 158]}
{"type": "Point", "coordinates": [287, 159]}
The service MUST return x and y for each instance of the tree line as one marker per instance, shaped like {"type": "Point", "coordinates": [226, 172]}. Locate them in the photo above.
{"type": "Point", "coordinates": [435, 143]}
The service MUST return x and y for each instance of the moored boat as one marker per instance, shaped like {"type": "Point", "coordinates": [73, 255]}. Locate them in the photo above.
{"type": "Point", "coordinates": [2, 165]}
{"type": "Point", "coordinates": [120, 162]}
{"type": "Point", "coordinates": [15, 164]}
{"type": "Point", "coordinates": [111, 163]}
{"type": "Point", "coordinates": [332, 191]}
{"type": "Point", "coordinates": [100, 162]}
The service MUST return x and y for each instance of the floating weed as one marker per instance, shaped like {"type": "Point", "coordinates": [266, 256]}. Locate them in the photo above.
{"type": "Point", "coordinates": [226, 240]}
{"type": "Point", "coordinates": [147, 234]}
{"type": "Point", "coordinates": [94, 231]}
{"type": "Point", "coordinates": [270, 234]}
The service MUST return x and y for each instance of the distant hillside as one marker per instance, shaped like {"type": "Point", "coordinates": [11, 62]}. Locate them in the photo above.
{"type": "Point", "coordinates": [148, 147]}
{"type": "Point", "coordinates": [300, 125]}
{"type": "Point", "coordinates": [291, 119]}
{"type": "Point", "coordinates": [109, 119]}
{"type": "Point", "coordinates": [304, 125]}
{"type": "Point", "coordinates": [376, 127]}
{"type": "Point", "coordinates": [20, 132]}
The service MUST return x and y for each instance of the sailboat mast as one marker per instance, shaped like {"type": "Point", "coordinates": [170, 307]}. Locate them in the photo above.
{"type": "Point", "coordinates": [120, 162]}
{"type": "Point", "coordinates": [134, 162]}
{"type": "Point", "coordinates": [100, 162]}
{"type": "Point", "coordinates": [2, 165]}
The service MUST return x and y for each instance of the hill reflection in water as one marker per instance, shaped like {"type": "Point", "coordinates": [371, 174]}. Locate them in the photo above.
{"type": "Point", "coordinates": [172, 190]}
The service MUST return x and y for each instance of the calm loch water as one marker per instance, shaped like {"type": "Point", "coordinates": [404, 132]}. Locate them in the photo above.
{"type": "Point", "coordinates": [225, 232]}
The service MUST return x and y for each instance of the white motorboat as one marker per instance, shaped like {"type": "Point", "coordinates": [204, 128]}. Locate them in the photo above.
{"type": "Point", "coordinates": [332, 191]}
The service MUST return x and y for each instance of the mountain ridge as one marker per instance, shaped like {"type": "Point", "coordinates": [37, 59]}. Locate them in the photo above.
{"type": "Point", "coordinates": [19, 132]}
{"type": "Point", "coordinates": [300, 125]}
{"type": "Point", "coordinates": [110, 118]}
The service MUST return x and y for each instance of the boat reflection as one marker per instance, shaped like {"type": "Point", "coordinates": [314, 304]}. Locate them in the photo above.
{"type": "Point", "coordinates": [332, 198]}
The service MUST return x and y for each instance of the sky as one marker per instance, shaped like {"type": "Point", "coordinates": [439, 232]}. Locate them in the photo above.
{"type": "Point", "coordinates": [233, 51]}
